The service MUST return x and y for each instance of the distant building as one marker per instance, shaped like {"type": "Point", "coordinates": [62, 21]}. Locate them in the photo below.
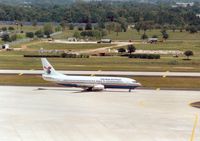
{"type": "Point", "coordinates": [183, 4]}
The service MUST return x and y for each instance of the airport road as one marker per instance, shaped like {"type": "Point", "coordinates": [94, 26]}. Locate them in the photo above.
{"type": "Point", "coordinates": [58, 114]}
{"type": "Point", "coordinates": [120, 73]}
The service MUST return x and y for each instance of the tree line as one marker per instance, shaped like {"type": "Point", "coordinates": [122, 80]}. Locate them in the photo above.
{"type": "Point", "coordinates": [102, 12]}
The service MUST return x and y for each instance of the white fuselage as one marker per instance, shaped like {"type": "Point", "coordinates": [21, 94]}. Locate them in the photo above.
{"type": "Point", "coordinates": [92, 81]}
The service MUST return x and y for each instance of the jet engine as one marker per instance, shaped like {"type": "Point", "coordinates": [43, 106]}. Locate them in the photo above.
{"type": "Point", "coordinates": [98, 88]}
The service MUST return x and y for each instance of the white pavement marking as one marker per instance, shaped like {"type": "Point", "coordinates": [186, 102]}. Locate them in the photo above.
{"type": "Point", "coordinates": [59, 114]}
{"type": "Point", "coordinates": [122, 73]}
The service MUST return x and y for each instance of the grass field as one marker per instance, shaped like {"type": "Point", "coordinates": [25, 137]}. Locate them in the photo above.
{"type": "Point", "coordinates": [103, 63]}
{"type": "Point", "coordinates": [172, 45]}
{"type": "Point", "coordinates": [61, 46]}
{"type": "Point", "coordinates": [25, 28]}
{"type": "Point", "coordinates": [147, 82]}
{"type": "Point", "coordinates": [134, 35]}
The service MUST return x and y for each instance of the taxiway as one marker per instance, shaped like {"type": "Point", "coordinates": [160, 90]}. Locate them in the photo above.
{"type": "Point", "coordinates": [66, 114]}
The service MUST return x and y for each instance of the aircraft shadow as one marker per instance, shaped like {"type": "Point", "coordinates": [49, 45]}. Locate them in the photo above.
{"type": "Point", "coordinates": [81, 91]}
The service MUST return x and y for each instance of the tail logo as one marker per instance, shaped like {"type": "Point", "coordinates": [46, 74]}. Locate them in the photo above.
{"type": "Point", "coordinates": [48, 69]}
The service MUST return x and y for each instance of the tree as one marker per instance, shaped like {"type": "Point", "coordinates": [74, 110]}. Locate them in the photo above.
{"type": "Point", "coordinates": [63, 25]}
{"type": "Point", "coordinates": [131, 49]}
{"type": "Point", "coordinates": [193, 29]}
{"type": "Point", "coordinates": [165, 35]}
{"type": "Point", "coordinates": [34, 23]}
{"type": "Point", "coordinates": [13, 37]}
{"type": "Point", "coordinates": [144, 36]}
{"type": "Point", "coordinates": [138, 27]}
{"type": "Point", "coordinates": [71, 27]}
{"type": "Point", "coordinates": [173, 27]}
{"type": "Point", "coordinates": [101, 25]}
{"type": "Point", "coordinates": [10, 28]}
{"type": "Point", "coordinates": [6, 37]}
{"type": "Point", "coordinates": [29, 34]}
{"type": "Point", "coordinates": [121, 50]}
{"type": "Point", "coordinates": [117, 28]}
{"type": "Point", "coordinates": [21, 26]}
{"type": "Point", "coordinates": [80, 28]}
{"type": "Point", "coordinates": [188, 53]}
{"type": "Point", "coordinates": [48, 29]}
{"type": "Point", "coordinates": [4, 28]}
{"type": "Point", "coordinates": [110, 26]}
{"type": "Point", "coordinates": [39, 34]}
{"type": "Point", "coordinates": [58, 28]}
{"type": "Point", "coordinates": [88, 26]}
{"type": "Point", "coordinates": [77, 34]}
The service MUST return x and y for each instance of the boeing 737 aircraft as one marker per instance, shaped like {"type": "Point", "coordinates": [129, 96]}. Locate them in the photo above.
{"type": "Point", "coordinates": [88, 83]}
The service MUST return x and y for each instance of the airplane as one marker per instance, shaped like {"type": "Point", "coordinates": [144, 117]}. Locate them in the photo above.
{"type": "Point", "coordinates": [87, 83]}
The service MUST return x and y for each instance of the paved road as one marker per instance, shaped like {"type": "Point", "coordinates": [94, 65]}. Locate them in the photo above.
{"type": "Point", "coordinates": [120, 73]}
{"type": "Point", "coordinates": [55, 114]}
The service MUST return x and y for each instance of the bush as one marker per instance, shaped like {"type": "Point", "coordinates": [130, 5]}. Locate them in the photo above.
{"type": "Point", "coordinates": [71, 27]}
{"type": "Point", "coordinates": [13, 37]}
{"type": "Point", "coordinates": [188, 53]}
{"type": "Point", "coordinates": [145, 56]}
{"type": "Point", "coordinates": [11, 28]}
{"type": "Point", "coordinates": [88, 26]}
{"type": "Point", "coordinates": [80, 28]}
{"type": "Point", "coordinates": [6, 38]}
{"type": "Point", "coordinates": [4, 28]}
{"type": "Point", "coordinates": [66, 55]}
{"type": "Point", "coordinates": [144, 36]}
{"type": "Point", "coordinates": [29, 34]}
{"type": "Point", "coordinates": [39, 34]}
{"type": "Point", "coordinates": [121, 50]}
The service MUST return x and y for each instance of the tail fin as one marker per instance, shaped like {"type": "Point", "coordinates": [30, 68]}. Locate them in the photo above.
{"type": "Point", "coordinates": [47, 67]}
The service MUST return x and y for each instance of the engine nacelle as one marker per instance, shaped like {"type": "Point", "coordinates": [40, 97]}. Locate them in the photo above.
{"type": "Point", "coordinates": [98, 88]}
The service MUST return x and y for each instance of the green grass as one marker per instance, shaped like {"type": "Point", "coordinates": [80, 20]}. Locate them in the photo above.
{"type": "Point", "coordinates": [65, 34]}
{"type": "Point", "coordinates": [134, 35]}
{"type": "Point", "coordinates": [61, 46]}
{"type": "Point", "coordinates": [17, 61]}
{"type": "Point", "coordinates": [147, 82]}
{"type": "Point", "coordinates": [172, 45]}
{"type": "Point", "coordinates": [169, 82]}
{"type": "Point", "coordinates": [25, 28]}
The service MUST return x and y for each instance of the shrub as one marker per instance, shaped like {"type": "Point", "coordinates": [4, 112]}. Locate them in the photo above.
{"type": "Point", "coordinates": [131, 49]}
{"type": "Point", "coordinates": [144, 36]}
{"type": "Point", "coordinates": [6, 37]}
{"type": "Point", "coordinates": [66, 55]}
{"type": "Point", "coordinates": [4, 28]}
{"type": "Point", "coordinates": [13, 37]}
{"type": "Point", "coordinates": [71, 27]}
{"type": "Point", "coordinates": [39, 34]}
{"type": "Point", "coordinates": [121, 50]}
{"type": "Point", "coordinates": [29, 34]}
{"type": "Point", "coordinates": [11, 28]}
{"type": "Point", "coordinates": [88, 26]}
{"type": "Point", "coordinates": [80, 28]}
{"type": "Point", "coordinates": [188, 53]}
{"type": "Point", "coordinates": [145, 56]}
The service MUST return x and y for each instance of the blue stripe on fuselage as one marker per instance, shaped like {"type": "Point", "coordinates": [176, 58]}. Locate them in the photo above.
{"type": "Point", "coordinates": [106, 86]}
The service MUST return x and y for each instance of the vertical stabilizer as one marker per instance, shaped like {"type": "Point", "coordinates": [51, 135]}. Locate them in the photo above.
{"type": "Point", "coordinates": [47, 67]}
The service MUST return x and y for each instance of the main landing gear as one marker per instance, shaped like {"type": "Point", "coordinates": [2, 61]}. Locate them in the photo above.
{"type": "Point", "coordinates": [129, 90]}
